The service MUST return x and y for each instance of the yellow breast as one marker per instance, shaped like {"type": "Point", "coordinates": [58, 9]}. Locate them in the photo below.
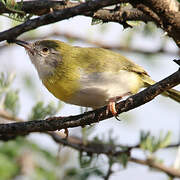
{"type": "Point", "coordinates": [63, 87]}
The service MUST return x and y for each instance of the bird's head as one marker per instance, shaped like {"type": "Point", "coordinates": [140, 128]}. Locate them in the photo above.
{"type": "Point", "coordinates": [46, 55]}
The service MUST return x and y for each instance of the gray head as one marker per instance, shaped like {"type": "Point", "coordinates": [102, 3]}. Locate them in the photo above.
{"type": "Point", "coordinates": [43, 54]}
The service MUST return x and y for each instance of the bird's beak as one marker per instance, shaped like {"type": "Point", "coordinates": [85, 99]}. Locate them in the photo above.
{"type": "Point", "coordinates": [26, 45]}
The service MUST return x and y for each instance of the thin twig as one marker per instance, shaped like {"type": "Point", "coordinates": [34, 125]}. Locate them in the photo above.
{"type": "Point", "coordinates": [110, 150]}
{"type": "Point", "coordinates": [170, 171]}
{"type": "Point", "coordinates": [4, 114]}
{"type": "Point", "coordinates": [163, 13]}
{"type": "Point", "coordinates": [90, 147]}
{"type": "Point", "coordinates": [109, 172]}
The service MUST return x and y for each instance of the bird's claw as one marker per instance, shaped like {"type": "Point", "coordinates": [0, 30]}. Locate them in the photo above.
{"type": "Point", "coordinates": [66, 132]}
{"type": "Point", "coordinates": [112, 108]}
{"type": "Point", "coordinates": [117, 117]}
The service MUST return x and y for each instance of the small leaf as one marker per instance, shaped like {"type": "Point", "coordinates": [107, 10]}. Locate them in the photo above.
{"type": "Point", "coordinates": [11, 102]}
{"type": "Point", "coordinates": [40, 111]}
{"type": "Point", "coordinates": [166, 140]}
{"type": "Point", "coordinates": [123, 159]}
{"type": "Point", "coordinates": [96, 21]}
{"type": "Point", "coordinates": [151, 143]}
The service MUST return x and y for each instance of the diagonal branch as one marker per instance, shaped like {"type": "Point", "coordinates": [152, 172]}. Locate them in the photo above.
{"type": "Point", "coordinates": [5, 115]}
{"type": "Point", "coordinates": [55, 16]}
{"type": "Point", "coordinates": [38, 7]}
{"type": "Point", "coordinates": [111, 150]}
{"type": "Point", "coordinates": [90, 147]}
{"type": "Point", "coordinates": [168, 170]}
{"type": "Point", "coordinates": [165, 13]}
{"type": "Point", "coordinates": [44, 7]}
{"type": "Point", "coordinates": [57, 123]}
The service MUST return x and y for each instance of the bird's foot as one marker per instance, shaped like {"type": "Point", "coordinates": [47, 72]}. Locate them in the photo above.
{"type": "Point", "coordinates": [66, 132]}
{"type": "Point", "coordinates": [111, 107]}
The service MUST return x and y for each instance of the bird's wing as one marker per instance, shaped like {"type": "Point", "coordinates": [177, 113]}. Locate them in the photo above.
{"type": "Point", "coordinates": [101, 60]}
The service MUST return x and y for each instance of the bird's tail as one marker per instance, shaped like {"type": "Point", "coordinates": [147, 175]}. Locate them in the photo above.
{"type": "Point", "coordinates": [172, 93]}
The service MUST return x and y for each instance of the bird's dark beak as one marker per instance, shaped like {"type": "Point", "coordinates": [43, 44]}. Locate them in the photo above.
{"type": "Point", "coordinates": [26, 45]}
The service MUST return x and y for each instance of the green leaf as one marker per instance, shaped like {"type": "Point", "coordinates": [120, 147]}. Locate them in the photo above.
{"type": "Point", "coordinates": [134, 23]}
{"type": "Point", "coordinates": [44, 174]}
{"type": "Point", "coordinates": [5, 81]}
{"type": "Point", "coordinates": [13, 150]}
{"type": "Point", "coordinates": [96, 21]}
{"type": "Point", "coordinates": [123, 158]}
{"type": "Point", "coordinates": [151, 143]}
{"type": "Point", "coordinates": [165, 141]}
{"type": "Point", "coordinates": [16, 12]}
{"type": "Point", "coordinates": [8, 167]}
{"type": "Point", "coordinates": [71, 172]}
{"type": "Point", "coordinates": [40, 111]}
{"type": "Point", "coordinates": [11, 102]}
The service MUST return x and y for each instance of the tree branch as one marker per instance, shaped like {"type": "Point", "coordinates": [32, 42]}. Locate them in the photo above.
{"type": "Point", "coordinates": [90, 147]}
{"type": "Point", "coordinates": [57, 123]}
{"type": "Point", "coordinates": [111, 150]}
{"type": "Point", "coordinates": [95, 147]}
{"type": "Point", "coordinates": [5, 115]}
{"type": "Point", "coordinates": [55, 16]}
{"type": "Point", "coordinates": [121, 16]}
{"type": "Point", "coordinates": [165, 13]}
{"type": "Point", "coordinates": [44, 7]}
{"type": "Point", "coordinates": [39, 7]}
{"type": "Point", "coordinates": [109, 172]}
{"type": "Point", "coordinates": [170, 171]}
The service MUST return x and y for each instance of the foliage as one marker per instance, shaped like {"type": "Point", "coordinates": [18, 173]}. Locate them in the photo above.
{"type": "Point", "coordinates": [82, 174]}
{"type": "Point", "coordinates": [96, 21]}
{"type": "Point", "coordinates": [123, 158]}
{"type": "Point", "coordinates": [9, 98]}
{"type": "Point", "coordinates": [39, 111]}
{"type": "Point", "coordinates": [16, 154]}
{"type": "Point", "coordinates": [152, 143]}
{"type": "Point", "coordinates": [15, 9]}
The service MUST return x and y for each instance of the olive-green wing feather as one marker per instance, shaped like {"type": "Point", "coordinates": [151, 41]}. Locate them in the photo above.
{"type": "Point", "coordinates": [99, 59]}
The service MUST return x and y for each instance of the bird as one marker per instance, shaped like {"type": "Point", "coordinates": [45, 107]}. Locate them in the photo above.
{"type": "Point", "coordinates": [87, 76]}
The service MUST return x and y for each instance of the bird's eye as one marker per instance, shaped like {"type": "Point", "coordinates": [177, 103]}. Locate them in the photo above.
{"type": "Point", "coordinates": [45, 50]}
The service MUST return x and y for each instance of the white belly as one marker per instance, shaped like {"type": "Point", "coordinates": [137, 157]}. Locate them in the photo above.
{"type": "Point", "coordinates": [98, 88]}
